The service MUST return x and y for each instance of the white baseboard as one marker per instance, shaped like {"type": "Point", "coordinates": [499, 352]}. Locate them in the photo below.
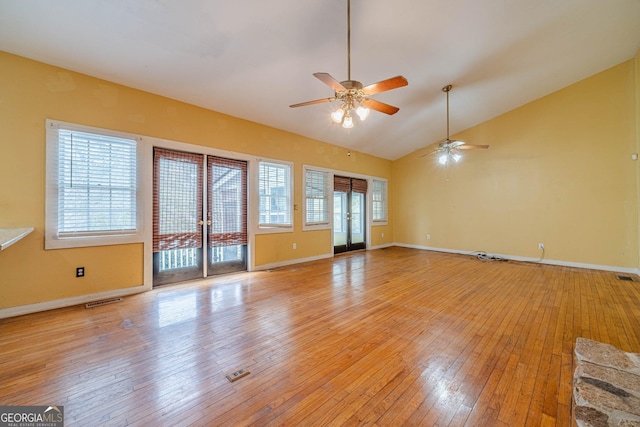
{"type": "Point", "coordinates": [314, 258]}
{"type": "Point", "coordinates": [386, 245]}
{"type": "Point", "coordinates": [628, 270]}
{"type": "Point", "coordinates": [66, 302]}
{"type": "Point", "coordinates": [291, 262]}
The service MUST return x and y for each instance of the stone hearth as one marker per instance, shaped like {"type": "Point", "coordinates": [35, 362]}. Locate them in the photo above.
{"type": "Point", "coordinates": [606, 386]}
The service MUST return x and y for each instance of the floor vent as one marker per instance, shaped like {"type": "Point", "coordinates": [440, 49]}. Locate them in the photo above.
{"type": "Point", "coordinates": [102, 302]}
{"type": "Point", "coordinates": [237, 375]}
{"type": "Point", "coordinates": [625, 278]}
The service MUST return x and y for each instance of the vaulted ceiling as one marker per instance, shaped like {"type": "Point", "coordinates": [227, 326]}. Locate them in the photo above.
{"type": "Point", "coordinates": [252, 59]}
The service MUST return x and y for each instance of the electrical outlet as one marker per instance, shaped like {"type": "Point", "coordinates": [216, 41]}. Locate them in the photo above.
{"type": "Point", "coordinates": [295, 246]}
{"type": "Point", "coordinates": [382, 235]}
{"type": "Point", "coordinates": [428, 236]}
{"type": "Point", "coordinates": [80, 272]}
{"type": "Point", "coordinates": [540, 245]}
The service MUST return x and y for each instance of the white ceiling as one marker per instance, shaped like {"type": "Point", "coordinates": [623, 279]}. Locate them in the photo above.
{"type": "Point", "coordinates": [253, 58]}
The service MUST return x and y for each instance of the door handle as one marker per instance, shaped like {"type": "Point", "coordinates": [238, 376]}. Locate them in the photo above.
{"type": "Point", "coordinates": [202, 222]}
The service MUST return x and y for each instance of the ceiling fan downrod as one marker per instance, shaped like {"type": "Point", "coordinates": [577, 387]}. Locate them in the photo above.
{"type": "Point", "coordinates": [446, 90]}
{"type": "Point", "coordinates": [349, 40]}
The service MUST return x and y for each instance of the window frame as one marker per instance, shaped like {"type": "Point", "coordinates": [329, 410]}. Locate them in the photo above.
{"type": "Point", "coordinates": [385, 201]}
{"type": "Point", "coordinates": [53, 240]}
{"type": "Point", "coordinates": [264, 228]}
{"type": "Point", "coordinates": [320, 225]}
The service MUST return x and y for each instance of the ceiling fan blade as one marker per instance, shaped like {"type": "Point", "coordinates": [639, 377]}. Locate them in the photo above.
{"type": "Point", "coordinates": [472, 147]}
{"type": "Point", "coordinates": [379, 106]}
{"type": "Point", "coordinates": [317, 101]}
{"type": "Point", "coordinates": [392, 83]}
{"type": "Point", "coordinates": [329, 81]}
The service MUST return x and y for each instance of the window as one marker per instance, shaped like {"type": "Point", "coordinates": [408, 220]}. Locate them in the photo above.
{"type": "Point", "coordinates": [316, 207]}
{"type": "Point", "coordinates": [379, 195]}
{"type": "Point", "coordinates": [275, 192]}
{"type": "Point", "coordinates": [92, 187]}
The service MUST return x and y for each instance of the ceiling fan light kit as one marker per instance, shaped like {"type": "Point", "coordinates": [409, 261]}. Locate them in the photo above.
{"type": "Point", "coordinates": [351, 102]}
{"type": "Point", "coordinates": [353, 96]}
{"type": "Point", "coordinates": [444, 158]}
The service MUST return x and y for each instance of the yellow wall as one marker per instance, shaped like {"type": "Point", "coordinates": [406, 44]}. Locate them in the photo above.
{"type": "Point", "coordinates": [31, 92]}
{"type": "Point", "coordinates": [559, 171]}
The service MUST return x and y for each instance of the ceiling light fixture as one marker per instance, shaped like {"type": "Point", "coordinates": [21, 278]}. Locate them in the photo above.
{"type": "Point", "coordinates": [449, 149]}
{"type": "Point", "coordinates": [447, 155]}
{"type": "Point", "coordinates": [353, 96]}
{"type": "Point", "coordinates": [350, 105]}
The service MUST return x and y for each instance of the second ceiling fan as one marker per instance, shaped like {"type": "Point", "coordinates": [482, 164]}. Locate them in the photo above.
{"type": "Point", "coordinates": [449, 149]}
{"type": "Point", "coordinates": [353, 95]}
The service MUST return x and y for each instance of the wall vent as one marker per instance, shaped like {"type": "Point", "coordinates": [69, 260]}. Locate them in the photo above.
{"type": "Point", "coordinates": [625, 278]}
{"type": "Point", "coordinates": [102, 302]}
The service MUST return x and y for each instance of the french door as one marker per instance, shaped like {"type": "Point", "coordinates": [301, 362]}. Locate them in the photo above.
{"type": "Point", "coordinates": [349, 219]}
{"type": "Point", "coordinates": [198, 232]}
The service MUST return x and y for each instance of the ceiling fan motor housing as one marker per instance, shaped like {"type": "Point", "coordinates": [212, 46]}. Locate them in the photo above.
{"type": "Point", "coordinates": [352, 84]}
{"type": "Point", "coordinates": [352, 94]}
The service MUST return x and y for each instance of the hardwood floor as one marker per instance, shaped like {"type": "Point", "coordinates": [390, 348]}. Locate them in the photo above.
{"type": "Point", "coordinates": [388, 337]}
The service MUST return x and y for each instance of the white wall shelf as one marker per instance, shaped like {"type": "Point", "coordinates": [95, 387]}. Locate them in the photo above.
{"type": "Point", "coordinates": [9, 236]}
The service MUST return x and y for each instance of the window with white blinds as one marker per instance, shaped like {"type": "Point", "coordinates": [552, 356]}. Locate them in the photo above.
{"type": "Point", "coordinates": [317, 189]}
{"type": "Point", "coordinates": [275, 192]}
{"type": "Point", "coordinates": [92, 187]}
{"type": "Point", "coordinates": [379, 196]}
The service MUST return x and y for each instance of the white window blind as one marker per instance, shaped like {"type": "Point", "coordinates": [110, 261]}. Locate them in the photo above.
{"type": "Point", "coordinates": [92, 186]}
{"type": "Point", "coordinates": [316, 197]}
{"type": "Point", "coordinates": [274, 186]}
{"type": "Point", "coordinates": [379, 195]}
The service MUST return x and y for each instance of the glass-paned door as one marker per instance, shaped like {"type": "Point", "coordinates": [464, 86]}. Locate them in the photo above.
{"type": "Point", "coordinates": [182, 238]}
{"type": "Point", "coordinates": [177, 216]}
{"type": "Point", "coordinates": [349, 224]}
{"type": "Point", "coordinates": [227, 215]}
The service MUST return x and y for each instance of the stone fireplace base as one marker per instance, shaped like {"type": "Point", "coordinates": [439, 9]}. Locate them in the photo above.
{"type": "Point", "coordinates": [606, 386]}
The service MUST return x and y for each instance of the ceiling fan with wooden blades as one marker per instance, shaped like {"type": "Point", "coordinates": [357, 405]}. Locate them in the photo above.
{"type": "Point", "coordinates": [353, 95]}
{"type": "Point", "coordinates": [448, 150]}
